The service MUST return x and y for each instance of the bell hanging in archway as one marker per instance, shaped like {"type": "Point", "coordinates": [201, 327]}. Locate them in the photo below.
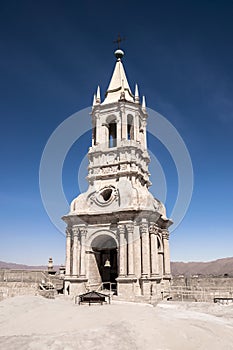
{"type": "Point", "coordinates": [107, 263]}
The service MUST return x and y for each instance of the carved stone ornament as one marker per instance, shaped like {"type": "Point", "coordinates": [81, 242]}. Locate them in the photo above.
{"type": "Point", "coordinates": [130, 227]}
{"type": "Point", "coordinates": [143, 228]}
{"type": "Point", "coordinates": [83, 231]}
{"type": "Point", "coordinates": [75, 231]}
{"type": "Point", "coordinates": [111, 157]}
{"type": "Point", "coordinates": [121, 228]}
{"type": "Point", "coordinates": [68, 232]}
{"type": "Point", "coordinates": [165, 235]}
{"type": "Point", "coordinates": [153, 228]}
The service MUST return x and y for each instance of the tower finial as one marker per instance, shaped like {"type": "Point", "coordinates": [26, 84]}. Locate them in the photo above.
{"type": "Point", "coordinates": [136, 95]}
{"type": "Point", "coordinates": [94, 101]}
{"type": "Point", "coordinates": [119, 53]}
{"type": "Point", "coordinates": [143, 103]}
{"type": "Point", "coordinates": [118, 41]}
{"type": "Point", "coordinates": [98, 95]}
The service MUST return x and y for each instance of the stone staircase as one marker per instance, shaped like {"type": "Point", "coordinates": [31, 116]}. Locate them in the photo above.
{"type": "Point", "coordinates": [50, 285]}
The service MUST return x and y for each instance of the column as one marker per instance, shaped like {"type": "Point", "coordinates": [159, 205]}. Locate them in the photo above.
{"type": "Point", "coordinates": [98, 126]}
{"type": "Point", "coordinates": [68, 248]}
{"type": "Point", "coordinates": [122, 251]}
{"type": "Point", "coordinates": [75, 251]}
{"type": "Point", "coordinates": [83, 232]}
{"type": "Point", "coordinates": [154, 250]}
{"type": "Point", "coordinates": [167, 267]}
{"type": "Point", "coordinates": [145, 248]}
{"type": "Point", "coordinates": [130, 230]}
{"type": "Point", "coordinates": [123, 123]}
{"type": "Point", "coordinates": [144, 134]}
{"type": "Point", "coordinates": [137, 252]}
{"type": "Point", "coordinates": [93, 131]}
{"type": "Point", "coordinates": [118, 132]}
{"type": "Point", "coordinates": [136, 127]}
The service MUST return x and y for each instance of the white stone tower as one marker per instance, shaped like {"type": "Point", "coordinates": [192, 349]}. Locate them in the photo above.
{"type": "Point", "coordinates": [117, 232]}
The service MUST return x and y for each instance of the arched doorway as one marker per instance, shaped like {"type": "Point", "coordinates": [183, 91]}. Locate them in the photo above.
{"type": "Point", "coordinates": [104, 248]}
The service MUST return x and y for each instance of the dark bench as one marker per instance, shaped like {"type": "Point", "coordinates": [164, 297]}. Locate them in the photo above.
{"type": "Point", "coordinates": [221, 300]}
{"type": "Point", "coordinates": [93, 298]}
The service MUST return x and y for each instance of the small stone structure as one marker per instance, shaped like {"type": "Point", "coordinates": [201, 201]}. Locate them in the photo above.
{"type": "Point", "coordinates": [117, 232]}
{"type": "Point", "coordinates": [51, 270]}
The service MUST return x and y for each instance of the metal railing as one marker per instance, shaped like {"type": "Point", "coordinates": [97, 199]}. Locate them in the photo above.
{"type": "Point", "coordinates": [107, 287]}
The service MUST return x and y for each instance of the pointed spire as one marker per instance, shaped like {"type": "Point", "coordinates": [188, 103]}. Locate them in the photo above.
{"type": "Point", "coordinates": [115, 88]}
{"type": "Point", "coordinates": [98, 95]}
{"type": "Point", "coordinates": [136, 95]}
{"type": "Point", "coordinates": [143, 103]}
{"type": "Point", "coordinates": [94, 101]}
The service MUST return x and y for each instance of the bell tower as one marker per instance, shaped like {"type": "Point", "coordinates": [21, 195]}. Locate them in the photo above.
{"type": "Point", "coordinates": [117, 232]}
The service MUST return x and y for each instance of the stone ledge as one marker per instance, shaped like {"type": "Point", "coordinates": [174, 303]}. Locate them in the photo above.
{"type": "Point", "coordinates": [126, 279]}
{"type": "Point", "coordinates": [155, 278]}
{"type": "Point", "coordinates": [77, 279]}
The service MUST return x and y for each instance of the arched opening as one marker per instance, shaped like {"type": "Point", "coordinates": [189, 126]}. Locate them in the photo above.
{"type": "Point", "coordinates": [130, 127]}
{"type": "Point", "coordinates": [112, 134]}
{"type": "Point", "coordinates": [104, 248]}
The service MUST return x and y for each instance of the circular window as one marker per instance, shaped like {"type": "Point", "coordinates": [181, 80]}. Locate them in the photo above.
{"type": "Point", "coordinates": [106, 194]}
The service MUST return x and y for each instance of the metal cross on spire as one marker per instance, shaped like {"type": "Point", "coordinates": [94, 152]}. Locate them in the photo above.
{"type": "Point", "coordinates": [118, 40]}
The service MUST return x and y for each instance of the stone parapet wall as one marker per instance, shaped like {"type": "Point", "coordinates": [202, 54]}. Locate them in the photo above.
{"type": "Point", "coordinates": [202, 281]}
{"type": "Point", "coordinates": [22, 275]}
{"type": "Point", "coordinates": [26, 282]}
{"type": "Point", "coordinates": [11, 289]}
{"type": "Point", "coordinates": [201, 288]}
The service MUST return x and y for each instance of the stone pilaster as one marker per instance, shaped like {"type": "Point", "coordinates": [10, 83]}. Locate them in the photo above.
{"type": "Point", "coordinates": [145, 249]}
{"type": "Point", "coordinates": [75, 251]}
{"type": "Point", "coordinates": [124, 122]}
{"type": "Point", "coordinates": [167, 267]}
{"type": "Point", "coordinates": [154, 250]}
{"type": "Point", "coordinates": [83, 233]}
{"type": "Point", "coordinates": [136, 127]}
{"type": "Point", "coordinates": [130, 231]}
{"type": "Point", "coordinates": [68, 249]}
{"type": "Point", "coordinates": [119, 126]}
{"type": "Point", "coordinates": [122, 251]}
{"type": "Point", "coordinates": [98, 128]}
{"type": "Point", "coordinates": [143, 134]}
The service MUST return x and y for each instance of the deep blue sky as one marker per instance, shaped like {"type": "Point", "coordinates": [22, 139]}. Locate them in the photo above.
{"type": "Point", "coordinates": [55, 53]}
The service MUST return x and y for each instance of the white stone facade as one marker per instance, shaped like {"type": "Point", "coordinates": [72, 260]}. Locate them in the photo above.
{"type": "Point", "coordinates": [117, 219]}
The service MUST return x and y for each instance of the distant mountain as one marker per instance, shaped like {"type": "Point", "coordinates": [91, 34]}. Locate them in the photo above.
{"type": "Point", "coordinates": [216, 267]}
{"type": "Point", "coordinates": [13, 266]}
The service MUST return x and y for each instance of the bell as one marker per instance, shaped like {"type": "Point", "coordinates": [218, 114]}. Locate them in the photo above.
{"type": "Point", "coordinates": [107, 263]}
